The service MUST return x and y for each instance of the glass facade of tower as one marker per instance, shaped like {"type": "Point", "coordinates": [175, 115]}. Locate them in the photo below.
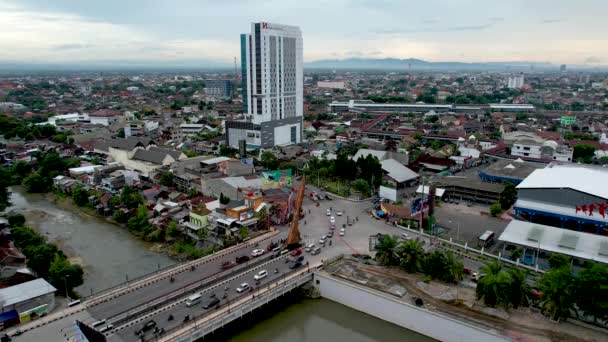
{"type": "Point", "coordinates": [244, 42]}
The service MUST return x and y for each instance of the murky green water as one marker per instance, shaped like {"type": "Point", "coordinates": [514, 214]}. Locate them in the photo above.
{"type": "Point", "coordinates": [317, 320]}
{"type": "Point", "coordinates": [108, 253]}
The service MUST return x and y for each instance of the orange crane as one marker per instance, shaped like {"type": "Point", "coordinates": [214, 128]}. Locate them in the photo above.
{"type": "Point", "coordinates": [294, 233]}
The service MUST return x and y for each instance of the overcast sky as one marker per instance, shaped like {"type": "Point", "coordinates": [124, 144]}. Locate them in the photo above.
{"type": "Point", "coordinates": [557, 31]}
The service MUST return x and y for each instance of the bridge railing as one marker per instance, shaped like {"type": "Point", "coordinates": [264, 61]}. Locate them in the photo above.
{"type": "Point", "coordinates": [191, 288]}
{"type": "Point", "coordinates": [206, 322]}
{"type": "Point", "coordinates": [172, 270]}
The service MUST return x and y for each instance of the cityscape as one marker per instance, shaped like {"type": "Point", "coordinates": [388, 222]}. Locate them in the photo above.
{"type": "Point", "coordinates": [273, 186]}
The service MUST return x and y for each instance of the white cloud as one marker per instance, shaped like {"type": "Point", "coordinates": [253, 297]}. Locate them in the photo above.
{"type": "Point", "coordinates": [188, 30]}
{"type": "Point", "coordinates": [52, 37]}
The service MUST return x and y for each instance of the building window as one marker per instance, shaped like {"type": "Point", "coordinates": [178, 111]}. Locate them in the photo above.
{"type": "Point", "coordinates": [293, 134]}
{"type": "Point", "coordinates": [526, 149]}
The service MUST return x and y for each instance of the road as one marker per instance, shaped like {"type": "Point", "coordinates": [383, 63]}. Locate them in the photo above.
{"type": "Point", "coordinates": [314, 225]}
{"type": "Point", "coordinates": [179, 310]}
{"type": "Point", "coordinates": [164, 287]}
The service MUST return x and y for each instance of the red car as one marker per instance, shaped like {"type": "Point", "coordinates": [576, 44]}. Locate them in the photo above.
{"type": "Point", "coordinates": [296, 252]}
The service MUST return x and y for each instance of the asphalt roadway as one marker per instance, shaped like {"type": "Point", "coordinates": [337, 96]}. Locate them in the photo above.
{"type": "Point", "coordinates": [312, 227]}
{"type": "Point", "coordinates": [179, 310]}
{"type": "Point", "coordinates": [164, 287]}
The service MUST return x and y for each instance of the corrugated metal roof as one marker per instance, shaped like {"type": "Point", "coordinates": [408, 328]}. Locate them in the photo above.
{"type": "Point", "coordinates": [398, 171]}
{"type": "Point", "coordinates": [587, 246]}
{"type": "Point", "coordinates": [590, 180]}
{"type": "Point", "coordinates": [25, 291]}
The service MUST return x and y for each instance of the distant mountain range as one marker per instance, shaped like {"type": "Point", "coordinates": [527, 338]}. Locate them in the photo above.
{"type": "Point", "coordinates": [418, 64]}
{"type": "Point", "coordinates": [384, 64]}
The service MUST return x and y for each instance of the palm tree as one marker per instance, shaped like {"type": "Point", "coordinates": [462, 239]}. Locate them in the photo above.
{"type": "Point", "coordinates": [385, 250]}
{"type": "Point", "coordinates": [519, 290]}
{"type": "Point", "coordinates": [492, 287]}
{"type": "Point", "coordinates": [592, 290]}
{"type": "Point", "coordinates": [557, 287]}
{"type": "Point", "coordinates": [455, 267]}
{"type": "Point", "coordinates": [516, 254]}
{"type": "Point", "coordinates": [411, 255]}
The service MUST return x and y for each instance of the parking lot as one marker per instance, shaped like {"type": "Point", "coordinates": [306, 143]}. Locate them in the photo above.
{"type": "Point", "coordinates": [466, 223]}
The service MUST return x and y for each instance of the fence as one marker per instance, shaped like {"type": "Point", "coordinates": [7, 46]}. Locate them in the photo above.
{"type": "Point", "coordinates": [463, 250]}
{"type": "Point", "coordinates": [99, 297]}
{"type": "Point", "coordinates": [237, 309]}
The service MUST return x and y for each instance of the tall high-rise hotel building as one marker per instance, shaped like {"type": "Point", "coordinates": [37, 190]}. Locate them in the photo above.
{"type": "Point", "coordinates": [272, 84]}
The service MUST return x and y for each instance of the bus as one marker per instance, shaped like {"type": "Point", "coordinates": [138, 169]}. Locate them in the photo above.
{"type": "Point", "coordinates": [192, 300]}
{"type": "Point", "coordinates": [486, 239]}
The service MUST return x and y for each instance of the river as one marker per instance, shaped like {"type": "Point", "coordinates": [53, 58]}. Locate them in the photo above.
{"type": "Point", "coordinates": [108, 253]}
{"type": "Point", "coordinates": [313, 320]}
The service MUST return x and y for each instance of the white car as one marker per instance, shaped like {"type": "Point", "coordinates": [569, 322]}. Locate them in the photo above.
{"type": "Point", "coordinates": [332, 220]}
{"type": "Point", "coordinates": [322, 240]}
{"type": "Point", "coordinates": [342, 231]}
{"type": "Point", "coordinates": [257, 252]}
{"type": "Point", "coordinates": [339, 213]}
{"type": "Point", "coordinates": [261, 275]}
{"type": "Point", "coordinates": [328, 212]}
{"type": "Point", "coordinates": [244, 287]}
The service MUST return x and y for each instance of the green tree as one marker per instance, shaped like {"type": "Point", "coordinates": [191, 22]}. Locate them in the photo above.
{"type": "Point", "coordinates": [224, 199]}
{"type": "Point", "coordinates": [584, 153]}
{"type": "Point", "coordinates": [508, 196]}
{"type": "Point", "coordinates": [455, 268]}
{"type": "Point", "coordinates": [19, 170]}
{"type": "Point", "coordinates": [131, 197]}
{"type": "Point", "coordinates": [385, 250]}
{"type": "Point", "coordinates": [35, 183]}
{"type": "Point", "coordinates": [517, 253]}
{"type": "Point", "coordinates": [493, 286]}
{"type": "Point", "coordinates": [443, 266]}
{"type": "Point", "coordinates": [39, 257]}
{"type": "Point", "coordinates": [286, 166]}
{"type": "Point", "coordinates": [139, 222]}
{"type": "Point", "coordinates": [243, 233]}
{"type": "Point", "coordinates": [80, 196]}
{"type": "Point", "coordinates": [519, 290]}
{"type": "Point", "coordinates": [592, 290]}
{"type": "Point", "coordinates": [558, 288]}
{"type": "Point", "coordinates": [269, 160]}
{"type": "Point", "coordinates": [62, 273]}
{"type": "Point", "coordinates": [411, 255]}
{"type": "Point", "coordinates": [172, 229]}
{"type": "Point", "coordinates": [16, 219]}
{"type": "Point", "coordinates": [5, 182]}
{"type": "Point", "coordinates": [362, 186]}
{"type": "Point", "coordinates": [25, 236]}
{"type": "Point", "coordinates": [51, 165]}
{"type": "Point", "coordinates": [495, 209]}
{"type": "Point", "coordinates": [559, 260]}
{"type": "Point", "coordinates": [370, 170]}
{"type": "Point", "coordinates": [167, 179]}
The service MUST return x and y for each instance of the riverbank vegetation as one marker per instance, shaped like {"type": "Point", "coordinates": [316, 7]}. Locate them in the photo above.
{"type": "Point", "coordinates": [560, 293]}
{"type": "Point", "coordinates": [44, 258]}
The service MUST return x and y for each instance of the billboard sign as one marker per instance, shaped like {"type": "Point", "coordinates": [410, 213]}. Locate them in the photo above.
{"type": "Point", "coordinates": [567, 120]}
{"type": "Point", "coordinates": [276, 179]}
{"type": "Point", "coordinates": [388, 193]}
{"type": "Point", "coordinates": [246, 215]}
